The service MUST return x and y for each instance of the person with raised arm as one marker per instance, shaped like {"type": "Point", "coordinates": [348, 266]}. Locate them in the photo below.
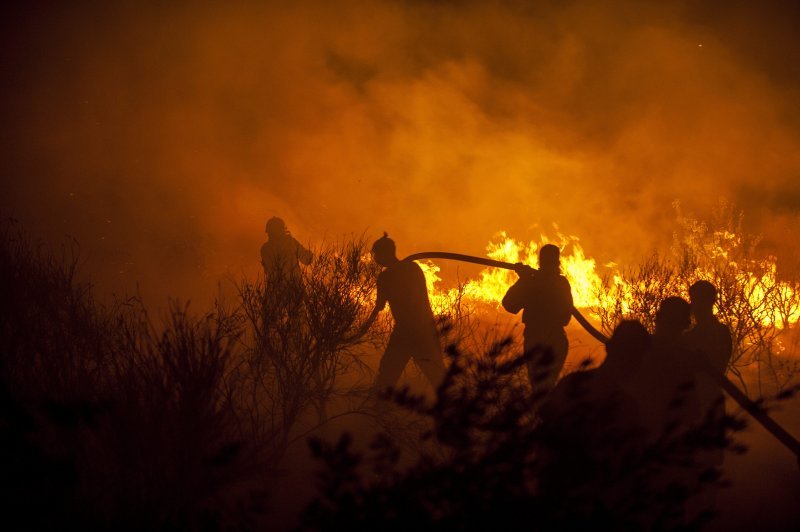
{"type": "Point", "coordinates": [282, 254]}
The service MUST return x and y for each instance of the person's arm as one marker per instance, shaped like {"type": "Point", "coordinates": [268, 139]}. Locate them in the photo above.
{"type": "Point", "coordinates": [514, 300]}
{"type": "Point", "coordinates": [565, 312]}
{"type": "Point", "coordinates": [304, 255]}
{"type": "Point", "coordinates": [380, 303]}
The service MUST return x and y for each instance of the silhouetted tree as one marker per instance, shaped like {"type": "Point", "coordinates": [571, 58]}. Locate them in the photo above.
{"type": "Point", "coordinates": [301, 339]}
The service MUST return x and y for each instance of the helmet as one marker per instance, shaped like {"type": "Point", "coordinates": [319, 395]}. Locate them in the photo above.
{"type": "Point", "coordinates": [549, 255]}
{"type": "Point", "coordinates": [384, 244]}
{"type": "Point", "coordinates": [276, 226]}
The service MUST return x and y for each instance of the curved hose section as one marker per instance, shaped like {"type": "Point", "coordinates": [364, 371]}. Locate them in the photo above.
{"type": "Point", "coordinates": [599, 336]}
{"type": "Point", "coordinates": [733, 392]}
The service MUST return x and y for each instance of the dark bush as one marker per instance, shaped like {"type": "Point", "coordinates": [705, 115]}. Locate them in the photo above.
{"type": "Point", "coordinates": [493, 463]}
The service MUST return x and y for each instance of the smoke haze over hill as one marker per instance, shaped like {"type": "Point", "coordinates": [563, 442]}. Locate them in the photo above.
{"type": "Point", "coordinates": [162, 137]}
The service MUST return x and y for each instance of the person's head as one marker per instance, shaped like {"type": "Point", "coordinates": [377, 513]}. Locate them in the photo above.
{"type": "Point", "coordinates": [626, 347]}
{"type": "Point", "coordinates": [549, 258]}
{"type": "Point", "coordinates": [702, 295]}
{"type": "Point", "coordinates": [384, 251]}
{"type": "Point", "coordinates": [276, 227]}
{"type": "Point", "coordinates": [673, 317]}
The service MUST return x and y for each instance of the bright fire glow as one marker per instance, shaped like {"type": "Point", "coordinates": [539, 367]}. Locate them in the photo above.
{"type": "Point", "coordinates": [491, 284]}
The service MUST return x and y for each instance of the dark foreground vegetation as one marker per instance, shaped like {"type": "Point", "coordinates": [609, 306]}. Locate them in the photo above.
{"type": "Point", "coordinates": [489, 463]}
{"type": "Point", "coordinates": [110, 419]}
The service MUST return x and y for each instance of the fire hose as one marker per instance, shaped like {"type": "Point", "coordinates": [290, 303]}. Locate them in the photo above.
{"type": "Point", "coordinates": [752, 408]}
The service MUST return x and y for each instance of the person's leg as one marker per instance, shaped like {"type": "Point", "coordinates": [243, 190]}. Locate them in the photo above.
{"type": "Point", "coordinates": [560, 349]}
{"type": "Point", "coordinates": [530, 348]}
{"type": "Point", "coordinates": [429, 359]}
{"type": "Point", "coordinates": [547, 360]}
{"type": "Point", "coordinates": [539, 361]}
{"type": "Point", "coordinates": [393, 362]}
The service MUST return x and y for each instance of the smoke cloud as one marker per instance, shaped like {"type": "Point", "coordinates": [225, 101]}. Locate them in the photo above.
{"type": "Point", "coordinates": [162, 137]}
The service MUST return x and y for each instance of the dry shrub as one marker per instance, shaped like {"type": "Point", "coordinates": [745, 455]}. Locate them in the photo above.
{"type": "Point", "coordinates": [488, 463]}
{"type": "Point", "coordinates": [301, 339]}
{"type": "Point", "coordinates": [753, 301]}
{"type": "Point", "coordinates": [112, 421]}
{"type": "Point", "coordinates": [53, 335]}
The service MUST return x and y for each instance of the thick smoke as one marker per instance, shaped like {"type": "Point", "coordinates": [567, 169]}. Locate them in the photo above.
{"type": "Point", "coordinates": [162, 137]}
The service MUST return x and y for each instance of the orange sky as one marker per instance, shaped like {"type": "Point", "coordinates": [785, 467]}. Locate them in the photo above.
{"type": "Point", "coordinates": [162, 138]}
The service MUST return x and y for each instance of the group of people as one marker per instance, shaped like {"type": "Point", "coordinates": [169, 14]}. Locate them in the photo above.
{"type": "Point", "coordinates": [648, 370]}
{"type": "Point", "coordinates": [653, 393]}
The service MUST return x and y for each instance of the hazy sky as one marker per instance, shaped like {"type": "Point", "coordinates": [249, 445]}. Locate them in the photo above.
{"type": "Point", "coordinates": [163, 137]}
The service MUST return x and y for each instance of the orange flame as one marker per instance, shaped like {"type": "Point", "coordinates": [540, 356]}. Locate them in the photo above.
{"type": "Point", "coordinates": [581, 271]}
{"type": "Point", "coordinates": [492, 283]}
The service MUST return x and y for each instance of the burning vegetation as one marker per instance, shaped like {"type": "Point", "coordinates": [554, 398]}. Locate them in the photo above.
{"type": "Point", "coordinates": [159, 134]}
{"type": "Point", "coordinates": [111, 418]}
{"type": "Point", "coordinates": [758, 304]}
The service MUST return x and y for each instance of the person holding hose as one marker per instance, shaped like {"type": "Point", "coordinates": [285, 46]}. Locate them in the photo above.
{"type": "Point", "coordinates": [545, 296]}
{"type": "Point", "coordinates": [402, 285]}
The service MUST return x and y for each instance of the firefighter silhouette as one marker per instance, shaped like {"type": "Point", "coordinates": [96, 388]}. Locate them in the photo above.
{"type": "Point", "coordinates": [545, 297]}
